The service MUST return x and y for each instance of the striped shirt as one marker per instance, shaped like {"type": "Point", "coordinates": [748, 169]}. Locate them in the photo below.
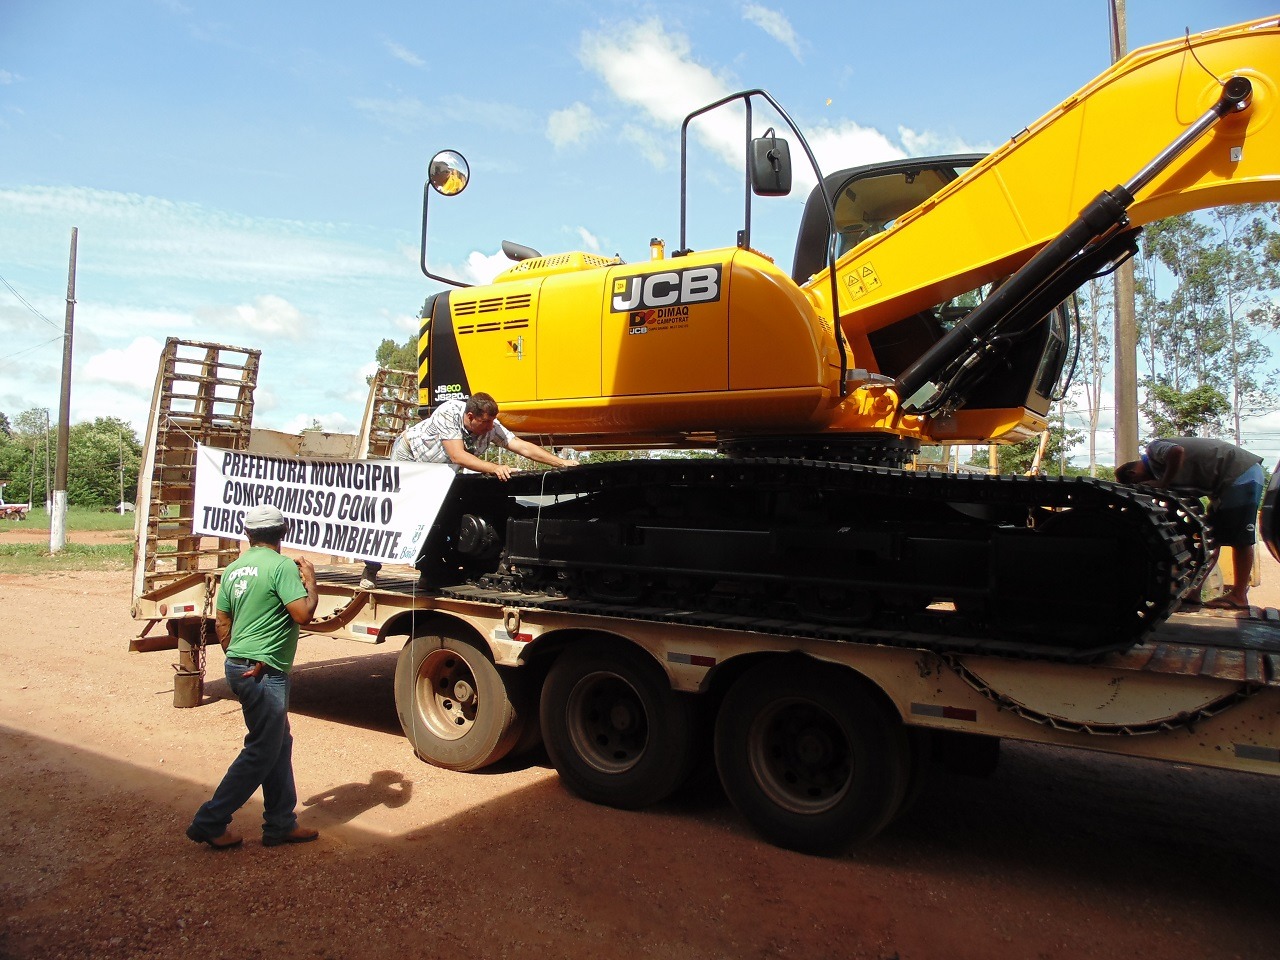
{"type": "Point", "coordinates": [424, 441]}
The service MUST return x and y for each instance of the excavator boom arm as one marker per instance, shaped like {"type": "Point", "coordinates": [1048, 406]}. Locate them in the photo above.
{"type": "Point", "coordinates": [992, 221]}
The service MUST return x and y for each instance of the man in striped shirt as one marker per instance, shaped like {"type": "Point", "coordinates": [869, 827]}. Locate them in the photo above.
{"type": "Point", "coordinates": [459, 432]}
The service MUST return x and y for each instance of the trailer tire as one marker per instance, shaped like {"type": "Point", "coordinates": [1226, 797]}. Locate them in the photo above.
{"type": "Point", "coordinates": [523, 685]}
{"type": "Point", "coordinates": [810, 757]}
{"type": "Point", "coordinates": [452, 702]}
{"type": "Point", "coordinates": [616, 732]}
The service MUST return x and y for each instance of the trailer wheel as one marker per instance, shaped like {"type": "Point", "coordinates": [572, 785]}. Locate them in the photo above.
{"type": "Point", "coordinates": [613, 727]}
{"type": "Point", "coordinates": [809, 757]}
{"type": "Point", "coordinates": [453, 705]}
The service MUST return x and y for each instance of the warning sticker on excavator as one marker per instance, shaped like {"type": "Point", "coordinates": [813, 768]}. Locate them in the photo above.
{"type": "Point", "coordinates": [861, 280]}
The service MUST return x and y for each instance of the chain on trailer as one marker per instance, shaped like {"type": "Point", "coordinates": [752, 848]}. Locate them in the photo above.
{"type": "Point", "coordinates": [206, 618]}
{"type": "Point", "coordinates": [1182, 720]}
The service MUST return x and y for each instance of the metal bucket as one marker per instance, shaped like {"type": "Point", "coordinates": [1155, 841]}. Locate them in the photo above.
{"type": "Point", "coordinates": [188, 688]}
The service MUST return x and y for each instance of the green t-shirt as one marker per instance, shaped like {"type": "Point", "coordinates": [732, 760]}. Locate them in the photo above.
{"type": "Point", "coordinates": [255, 589]}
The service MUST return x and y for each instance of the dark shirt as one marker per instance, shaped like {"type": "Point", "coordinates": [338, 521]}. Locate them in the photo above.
{"type": "Point", "coordinates": [1208, 466]}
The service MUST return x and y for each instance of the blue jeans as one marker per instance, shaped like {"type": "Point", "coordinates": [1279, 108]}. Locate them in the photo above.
{"type": "Point", "coordinates": [1233, 517]}
{"type": "Point", "coordinates": [265, 761]}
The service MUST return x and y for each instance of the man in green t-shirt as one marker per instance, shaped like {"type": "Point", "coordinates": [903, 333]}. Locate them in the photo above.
{"type": "Point", "coordinates": [262, 600]}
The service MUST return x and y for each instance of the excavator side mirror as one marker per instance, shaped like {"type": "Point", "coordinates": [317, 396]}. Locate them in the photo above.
{"type": "Point", "coordinates": [770, 166]}
{"type": "Point", "coordinates": [448, 173]}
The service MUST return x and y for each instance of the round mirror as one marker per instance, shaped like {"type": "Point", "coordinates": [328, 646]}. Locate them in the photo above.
{"type": "Point", "coordinates": [448, 173]}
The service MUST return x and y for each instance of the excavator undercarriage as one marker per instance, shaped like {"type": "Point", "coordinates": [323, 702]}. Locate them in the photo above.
{"type": "Point", "coordinates": [1041, 567]}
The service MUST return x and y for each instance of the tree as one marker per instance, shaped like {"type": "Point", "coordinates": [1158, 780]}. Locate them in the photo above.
{"type": "Point", "coordinates": [1242, 259]}
{"type": "Point", "coordinates": [103, 462]}
{"type": "Point", "coordinates": [24, 456]}
{"type": "Point", "coordinates": [1017, 458]}
{"type": "Point", "coordinates": [1208, 332]}
{"type": "Point", "coordinates": [610, 456]}
{"type": "Point", "coordinates": [398, 356]}
{"type": "Point", "coordinates": [6, 430]}
{"type": "Point", "coordinates": [1095, 305]}
{"type": "Point", "coordinates": [1196, 412]}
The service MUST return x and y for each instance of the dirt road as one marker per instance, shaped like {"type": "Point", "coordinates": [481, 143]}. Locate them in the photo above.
{"type": "Point", "coordinates": [1060, 855]}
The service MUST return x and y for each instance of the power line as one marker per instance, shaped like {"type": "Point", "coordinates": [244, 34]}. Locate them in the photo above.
{"type": "Point", "coordinates": [5, 359]}
{"type": "Point", "coordinates": [23, 301]}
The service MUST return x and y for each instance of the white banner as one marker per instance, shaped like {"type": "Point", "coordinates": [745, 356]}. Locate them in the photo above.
{"type": "Point", "coordinates": [363, 509]}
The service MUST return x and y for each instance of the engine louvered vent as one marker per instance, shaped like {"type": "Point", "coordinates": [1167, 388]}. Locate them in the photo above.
{"type": "Point", "coordinates": [492, 305]}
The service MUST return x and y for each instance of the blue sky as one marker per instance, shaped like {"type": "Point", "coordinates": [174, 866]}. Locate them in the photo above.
{"type": "Point", "coordinates": [251, 173]}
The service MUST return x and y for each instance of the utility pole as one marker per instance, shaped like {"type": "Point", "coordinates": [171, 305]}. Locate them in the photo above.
{"type": "Point", "coordinates": [1126, 324]}
{"type": "Point", "coordinates": [58, 522]}
{"type": "Point", "coordinates": [48, 490]}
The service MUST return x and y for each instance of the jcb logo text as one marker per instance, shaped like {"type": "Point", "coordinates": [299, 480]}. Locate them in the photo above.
{"type": "Point", "coordinates": [692, 285]}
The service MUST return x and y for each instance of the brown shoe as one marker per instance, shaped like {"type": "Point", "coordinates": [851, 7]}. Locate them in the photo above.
{"type": "Point", "coordinates": [296, 835]}
{"type": "Point", "coordinates": [228, 839]}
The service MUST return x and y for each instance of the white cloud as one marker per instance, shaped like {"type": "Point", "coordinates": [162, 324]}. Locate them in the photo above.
{"type": "Point", "coordinates": [647, 67]}
{"type": "Point", "coordinates": [268, 315]}
{"type": "Point", "coordinates": [481, 268]}
{"type": "Point", "coordinates": [589, 239]}
{"type": "Point", "coordinates": [265, 400]}
{"type": "Point", "coordinates": [574, 124]}
{"type": "Point", "coordinates": [775, 24]}
{"type": "Point", "coordinates": [649, 142]}
{"type": "Point", "coordinates": [129, 367]}
{"type": "Point", "coordinates": [121, 322]}
{"type": "Point", "coordinates": [7, 78]}
{"type": "Point", "coordinates": [929, 144]}
{"type": "Point", "coordinates": [402, 53]}
{"type": "Point", "coordinates": [149, 239]}
{"type": "Point", "coordinates": [847, 145]}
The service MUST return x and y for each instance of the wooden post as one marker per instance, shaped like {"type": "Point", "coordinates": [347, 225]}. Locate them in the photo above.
{"type": "Point", "coordinates": [1126, 324]}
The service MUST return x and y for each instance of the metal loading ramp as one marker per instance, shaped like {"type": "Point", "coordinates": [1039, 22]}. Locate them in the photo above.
{"type": "Point", "coordinates": [203, 395]}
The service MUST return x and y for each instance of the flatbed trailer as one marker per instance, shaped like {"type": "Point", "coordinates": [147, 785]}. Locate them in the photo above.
{"type": "Point", "coordinates": [820, 741]}
{"type": "Point", "coordinates": [819, 733]}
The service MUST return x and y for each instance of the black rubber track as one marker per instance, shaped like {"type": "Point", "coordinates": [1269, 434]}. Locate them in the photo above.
{"type": "Point", "coordinates": [1031, 566]}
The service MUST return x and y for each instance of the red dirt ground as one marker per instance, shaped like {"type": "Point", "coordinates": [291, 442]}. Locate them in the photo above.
{"type": "Point", "coordinates": [1062, 854]}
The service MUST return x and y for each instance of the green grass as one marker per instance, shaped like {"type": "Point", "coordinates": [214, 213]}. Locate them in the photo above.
{"type": "Point", "coordinates": [78, 518]}
{"type": "Point", "coordinates": [36, 558]}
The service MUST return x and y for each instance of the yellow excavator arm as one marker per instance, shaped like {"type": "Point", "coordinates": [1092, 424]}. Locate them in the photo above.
{"type": "Point", "coordinates": [986, 225]}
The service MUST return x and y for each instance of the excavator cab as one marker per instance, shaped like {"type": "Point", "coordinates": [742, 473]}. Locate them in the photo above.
{"type": "Point", "coordinates": [868, 200]}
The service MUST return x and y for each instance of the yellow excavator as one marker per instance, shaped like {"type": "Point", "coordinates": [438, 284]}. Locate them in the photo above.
{"type": "Point", "coordinates": [929, 300]}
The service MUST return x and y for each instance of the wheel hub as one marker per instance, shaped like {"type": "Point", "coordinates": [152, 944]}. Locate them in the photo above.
{"type": "Point", "coordinates": [607, 723]}
{"type": "Point", "coordinates": [447, 701]}
{"type": "Point", "coordinates": [801, 758]}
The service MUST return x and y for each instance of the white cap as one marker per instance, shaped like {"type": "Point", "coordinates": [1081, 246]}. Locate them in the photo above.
{"type": "Point", "coordinates": [263, 518]}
